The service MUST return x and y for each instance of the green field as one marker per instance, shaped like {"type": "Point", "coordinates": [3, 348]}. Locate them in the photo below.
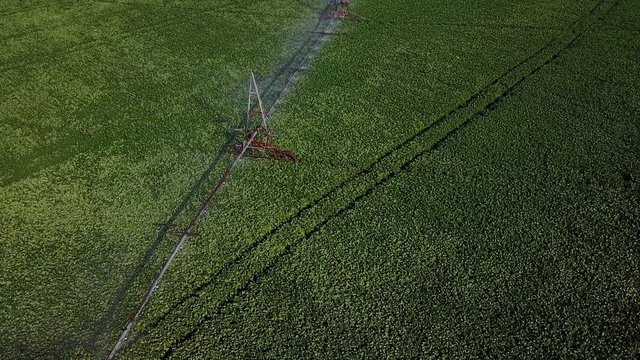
{"type": "Point", "coordinates": [467, 184]}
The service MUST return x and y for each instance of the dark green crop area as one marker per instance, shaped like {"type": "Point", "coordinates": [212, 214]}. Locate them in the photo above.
{"type": "Point", "coordinates": [468, 183]}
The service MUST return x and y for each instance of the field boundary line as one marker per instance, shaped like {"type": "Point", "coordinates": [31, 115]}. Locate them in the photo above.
{"type": "Point", "coordinates": [391, 164]}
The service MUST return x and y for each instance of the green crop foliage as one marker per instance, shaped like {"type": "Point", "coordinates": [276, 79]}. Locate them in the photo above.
{"type": "Point", "coordinates": [388, 77]}
{"type": "Point", "coordinates": [515, 237]}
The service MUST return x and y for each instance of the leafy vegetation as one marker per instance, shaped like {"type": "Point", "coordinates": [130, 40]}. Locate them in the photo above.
{"type": "Point", "coordinates": [347, 127]}
{"type": "Point", "coordinates": [514, 237]}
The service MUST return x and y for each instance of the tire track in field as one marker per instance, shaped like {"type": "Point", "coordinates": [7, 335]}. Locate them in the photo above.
{"type": "Point", "coordinates": [378, 174]}
{"type": "Point", "coordinates": [243, 255]}
{"type": "Point", "coordinates": [497, 26]}
{"type": "Point", "coordinates": [329, 196]}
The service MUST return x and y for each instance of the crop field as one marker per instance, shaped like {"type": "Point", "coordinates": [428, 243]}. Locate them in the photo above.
{"type": "Point", "coordinates": [467, 184]}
